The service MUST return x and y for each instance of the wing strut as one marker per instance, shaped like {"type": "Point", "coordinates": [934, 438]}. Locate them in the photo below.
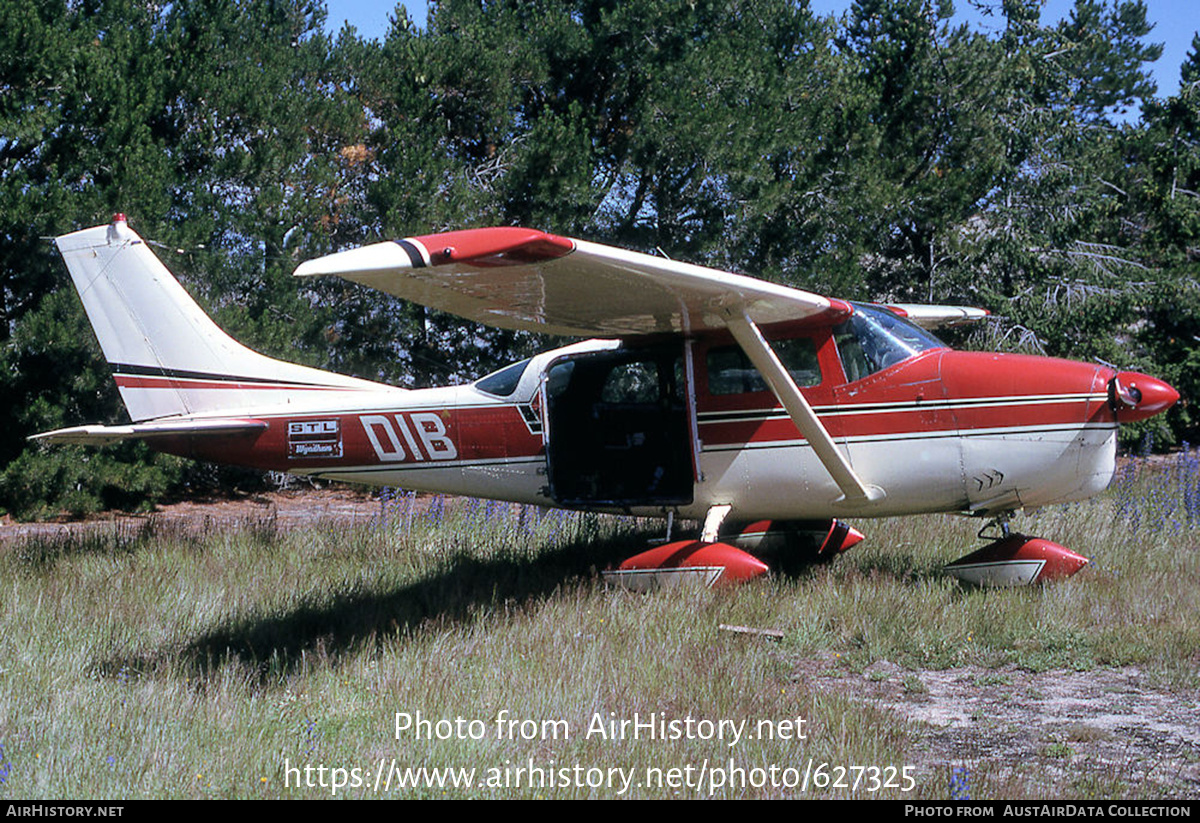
{"type": "Point", "coordinates": [855, 493]}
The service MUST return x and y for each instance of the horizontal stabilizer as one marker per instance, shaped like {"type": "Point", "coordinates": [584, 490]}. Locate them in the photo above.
{"type": "Point", "coordinates": [102, 435]}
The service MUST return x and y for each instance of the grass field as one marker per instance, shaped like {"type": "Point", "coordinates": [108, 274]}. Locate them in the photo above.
{"type": "Point", "coordinates": [252, 663]}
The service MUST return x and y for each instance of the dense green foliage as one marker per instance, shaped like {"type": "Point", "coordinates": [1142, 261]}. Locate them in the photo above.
{"type": "Point", "coordinates": [886, 154]}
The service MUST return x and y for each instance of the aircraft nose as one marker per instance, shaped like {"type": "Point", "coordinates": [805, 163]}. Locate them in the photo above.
{"type": "Point", "coordinates": [1136, 396]}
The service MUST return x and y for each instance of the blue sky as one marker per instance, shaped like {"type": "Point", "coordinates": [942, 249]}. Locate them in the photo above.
{"type": "Point", "coordinates": [1175, 23]}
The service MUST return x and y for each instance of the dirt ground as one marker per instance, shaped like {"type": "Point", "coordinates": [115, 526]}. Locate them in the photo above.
{"type": "Point", "coordinates": [291, 509]}
{"type": "Point", "coordinates": [1103, 732]}
{"type": "Point", "coordinates": [1015, 733]}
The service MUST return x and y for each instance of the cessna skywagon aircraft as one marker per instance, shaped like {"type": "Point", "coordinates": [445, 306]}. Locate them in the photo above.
{"type": "Point", "coordinates": [765, 412]}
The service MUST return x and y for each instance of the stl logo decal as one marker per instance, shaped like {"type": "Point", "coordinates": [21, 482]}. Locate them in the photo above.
{"type": "Point", "coordinates": [390, 439]}
{"type": "Point", "coordinates": [314, 438]}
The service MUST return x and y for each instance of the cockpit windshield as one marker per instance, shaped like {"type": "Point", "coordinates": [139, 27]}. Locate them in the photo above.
{"type": "Point", "coordinates": [875, 338]}
{"type": "Point", "coordinates": [504, 382]}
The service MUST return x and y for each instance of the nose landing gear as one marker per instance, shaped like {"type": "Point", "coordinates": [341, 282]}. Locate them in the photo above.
{"type": "Point", "coordinates": [1014, 559]}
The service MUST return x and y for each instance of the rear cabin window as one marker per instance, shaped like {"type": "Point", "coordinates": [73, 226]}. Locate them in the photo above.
{"type": "Point", "coordinates": [731, 372]}
{"type": "Point", "coordinates": [504, 382]}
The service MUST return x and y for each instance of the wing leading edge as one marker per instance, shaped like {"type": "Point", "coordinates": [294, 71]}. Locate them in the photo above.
{"type": "Point", "coordinates": [533, 281]}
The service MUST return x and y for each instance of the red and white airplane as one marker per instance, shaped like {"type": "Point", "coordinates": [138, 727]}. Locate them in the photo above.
{"type": "Point", "coordinates": [763, 411]}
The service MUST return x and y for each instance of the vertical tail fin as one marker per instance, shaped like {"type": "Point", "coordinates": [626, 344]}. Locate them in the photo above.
{"type": "Point", "coordinates": [168, 357]}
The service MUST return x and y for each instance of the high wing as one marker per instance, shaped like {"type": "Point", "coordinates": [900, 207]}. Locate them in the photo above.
{"type": "Point", "coordinates": [529, 280]}
{"type": "Point", "coordinates": [526, 279]}
{"type": "Point", "coordinates": [532, 281]}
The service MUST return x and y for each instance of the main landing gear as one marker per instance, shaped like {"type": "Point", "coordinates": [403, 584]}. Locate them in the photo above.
{"type": "Point", "coordinates": [734, 554]}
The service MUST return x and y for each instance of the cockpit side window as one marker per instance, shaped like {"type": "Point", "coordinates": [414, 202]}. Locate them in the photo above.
{"type": "Point", "coordinates": [731, 372]}
{"type": "Point", "coordinates": [874, 339]}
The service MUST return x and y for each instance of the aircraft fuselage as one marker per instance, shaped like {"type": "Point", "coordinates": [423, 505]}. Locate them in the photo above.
{"type": "Point", "coordinates": [943, 430]}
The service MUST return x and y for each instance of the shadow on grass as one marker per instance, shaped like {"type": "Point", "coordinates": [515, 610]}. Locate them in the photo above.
{"type": "Point", "coordinates": [272, 647]}
{"type": "Point", "coordinates": [267, 648]}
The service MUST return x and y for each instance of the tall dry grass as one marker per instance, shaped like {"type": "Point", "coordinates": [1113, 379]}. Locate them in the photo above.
{"type": "Point", "coordinates": [156, 662]}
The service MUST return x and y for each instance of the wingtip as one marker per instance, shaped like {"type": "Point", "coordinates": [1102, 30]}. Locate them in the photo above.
{"type": "Point", "coordinates": [377, 257]}
{"type": "Point", "coordinates": [310, 268]}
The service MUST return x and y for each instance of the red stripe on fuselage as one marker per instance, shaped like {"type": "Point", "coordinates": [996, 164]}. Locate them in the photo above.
{"type": "Point", "coordinates": [480, 433]}
{"type": "Point", "coordinates": [939, 392]}
{"type": "Point", "coordinates": [913, 420]}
